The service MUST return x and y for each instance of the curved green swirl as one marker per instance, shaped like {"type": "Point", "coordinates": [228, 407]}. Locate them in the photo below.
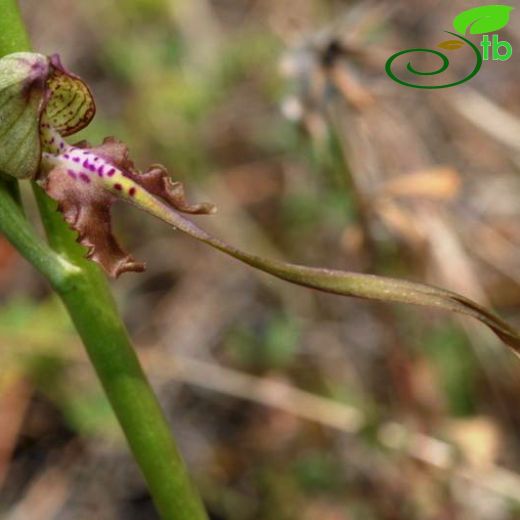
{"type": "Point", "coordinates": [442, 68]}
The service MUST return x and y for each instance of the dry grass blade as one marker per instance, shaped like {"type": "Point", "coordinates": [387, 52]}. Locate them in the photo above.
{"type": "Point", "coordinates": [487, 116]}
{"type": "Point", "coordinates": [327, 412]}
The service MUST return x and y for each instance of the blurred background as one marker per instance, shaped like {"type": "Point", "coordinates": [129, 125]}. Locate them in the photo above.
{"type": "Point", "coordinates": [287, 403]}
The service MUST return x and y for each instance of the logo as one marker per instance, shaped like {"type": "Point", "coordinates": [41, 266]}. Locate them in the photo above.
{"type": "Point", "coordinates": [479, 20]}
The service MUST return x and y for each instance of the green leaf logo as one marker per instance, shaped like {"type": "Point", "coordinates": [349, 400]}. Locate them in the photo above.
{"type": "Point", "coordinates": [480, 20]}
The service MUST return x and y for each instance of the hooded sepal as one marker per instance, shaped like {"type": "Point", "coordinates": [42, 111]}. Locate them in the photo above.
{"type": "Point", "coordinates": [32, 84]}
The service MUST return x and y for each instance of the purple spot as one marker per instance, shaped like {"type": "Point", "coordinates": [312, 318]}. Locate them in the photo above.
{"type": "Point", "coordinates": [75, 159]}
{"type": "Point", "coordinates": [92, 167]}
{"type": "Point", "coordinates": [61, 145]}
{"type": "Point", "coordinates": [84, 177]}
{"type": "Point", "coordinates": [100, 170]}
{"type": "Point", "coordinates": [118, 187]}
{"type": "Point", "coordinates": [96, 159]}
{"type": "Point", "coordinates": [66, 155]}
{"type": "Point", "coordinates": [85, 163]}
{"type": "Point", "coordinates": [111, 172]}
{"type": "Point", "coordinates": [72, 174]}
{"type": "Point", "coordinates": [131, 192]}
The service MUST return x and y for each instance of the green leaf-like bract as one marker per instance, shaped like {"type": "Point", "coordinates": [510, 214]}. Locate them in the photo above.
{"type": "Point", "coordinates": [484, 19]}
{"type": "Point", "coordinates": [22, 88]}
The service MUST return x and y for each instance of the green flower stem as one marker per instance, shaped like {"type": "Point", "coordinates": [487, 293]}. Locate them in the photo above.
{"type": "Point", "coordinates": [90, 304]}
{"type": "Point", "coordinates": [13, 36]}
{"type": "Point", "coordinates": [85, 292]}
{"type": "Point", "coordinates": [18, 231]}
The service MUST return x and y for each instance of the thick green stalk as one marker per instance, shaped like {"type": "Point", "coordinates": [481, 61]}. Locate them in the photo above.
{"type": "Point", "coordinates": [18, 231]}
{"type": "Point", "coordinates": [94, 314]}
{"type": "Point", "coordinates": [85, 292]}
{"type": "Point", "coordinates": [13, 36]}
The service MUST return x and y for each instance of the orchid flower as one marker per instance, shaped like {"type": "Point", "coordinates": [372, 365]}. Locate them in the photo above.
{"type": "Point", "coordinates": [41, 103]}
